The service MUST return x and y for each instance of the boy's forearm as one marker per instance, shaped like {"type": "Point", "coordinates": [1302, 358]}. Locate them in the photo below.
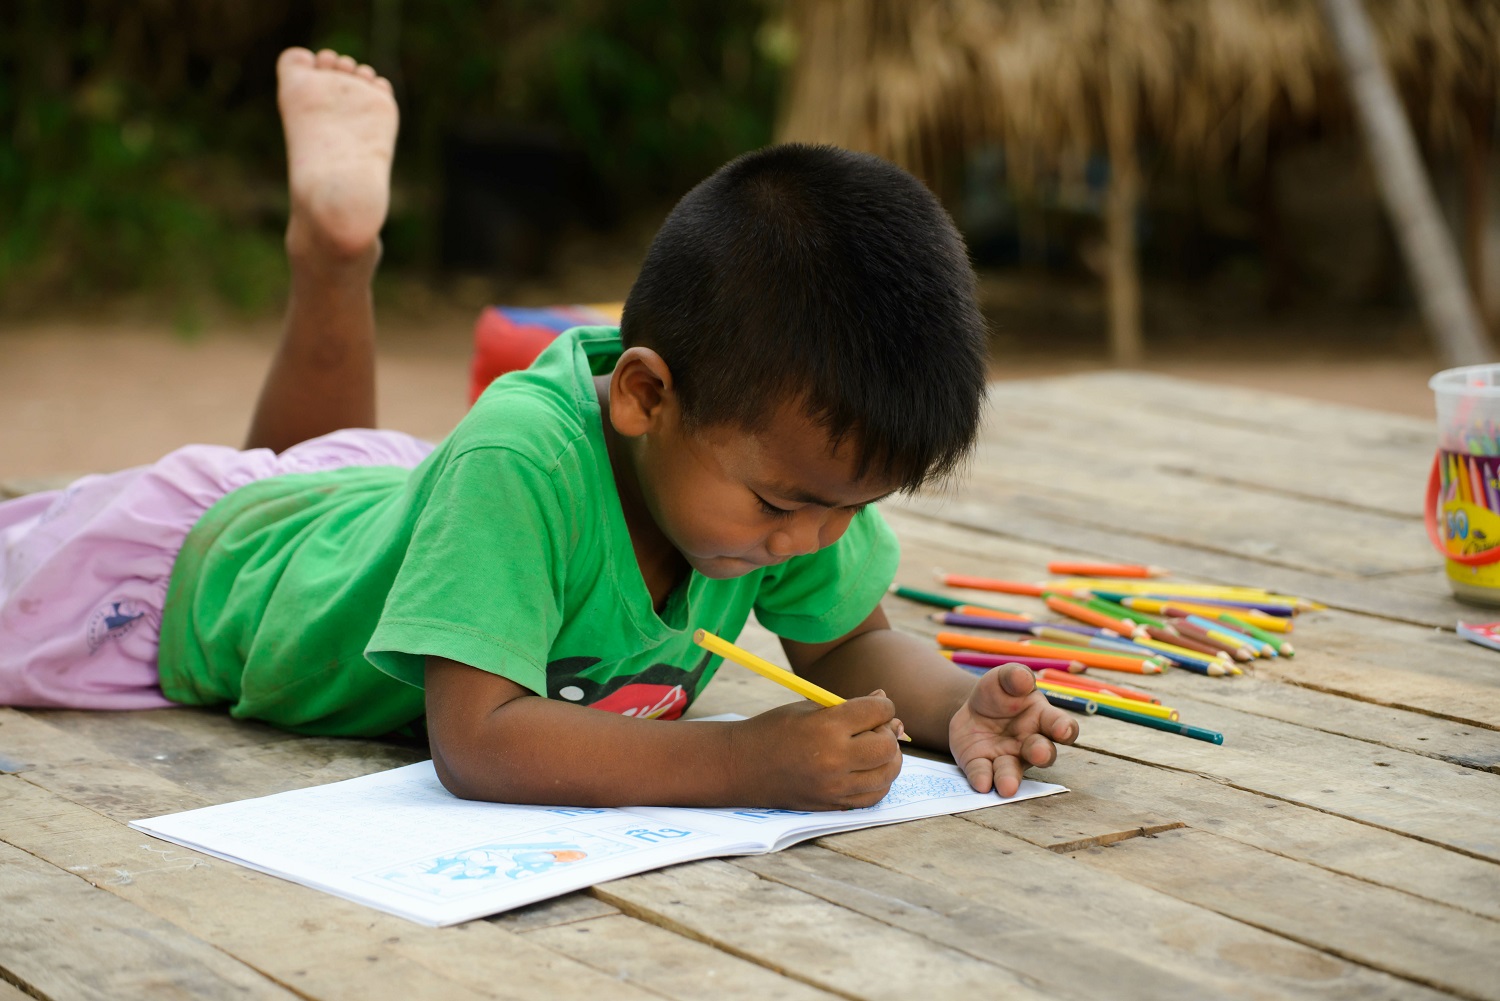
{"type": "Point", "coordinates": [926, 687]}
{"type": "Point", "coordinates": [533, 750]}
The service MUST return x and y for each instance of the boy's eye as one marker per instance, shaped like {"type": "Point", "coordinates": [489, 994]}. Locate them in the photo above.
{"type": "Point", "coordinates": [773, 510]}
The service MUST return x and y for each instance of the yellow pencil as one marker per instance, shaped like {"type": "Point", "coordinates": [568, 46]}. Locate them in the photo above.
{"type": "Point", "coordinates": [1106, 699]}
{"type": "Point", "coordinates": [766, 669]}
{"type": "Point", "coordinates": [1231, 592]}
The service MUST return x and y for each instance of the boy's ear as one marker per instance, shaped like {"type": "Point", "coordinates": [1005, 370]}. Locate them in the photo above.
{"type": "Point", "coordinates": [640, 392]}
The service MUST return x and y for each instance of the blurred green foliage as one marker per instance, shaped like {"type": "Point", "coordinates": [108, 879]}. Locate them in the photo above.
{"type": "Point", "coordinates": [140, 149]}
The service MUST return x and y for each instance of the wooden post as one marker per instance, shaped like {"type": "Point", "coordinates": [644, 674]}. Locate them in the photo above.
{"type": "Point", "coordinates": [1430, 256]}
{"type": "Point", "coordinates": [1122, 271]}
{"type": "Point", "coordinates": [1477, 204]}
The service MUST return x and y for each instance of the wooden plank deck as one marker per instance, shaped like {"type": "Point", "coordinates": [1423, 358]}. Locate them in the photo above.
{"type": "Point", "coordinates": [1344, 842]}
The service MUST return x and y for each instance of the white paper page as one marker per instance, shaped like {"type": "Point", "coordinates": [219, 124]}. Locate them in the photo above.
{"type": "Point", "coordinates": [398, 841]}
{"type": "Point", "coordinates": [923, 789]}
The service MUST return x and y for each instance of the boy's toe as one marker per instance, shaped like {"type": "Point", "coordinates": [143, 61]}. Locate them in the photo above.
{"type": "Point", "coordinates": [293, 58]}
{"type": "Point", "coordinates": [368, 72]}
{"type": "Point", "coordinates": [327, 59]}
{"type": "Point", "coordinates": [347, 64]}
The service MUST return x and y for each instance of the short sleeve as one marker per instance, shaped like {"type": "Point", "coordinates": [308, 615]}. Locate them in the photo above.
{"type": "Point", "coordinates": [480, 582]}
{"type": "Point", "coordinates": [821, 596]}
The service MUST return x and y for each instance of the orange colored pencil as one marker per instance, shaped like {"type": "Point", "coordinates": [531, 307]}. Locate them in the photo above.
{"type": "Point", "coordinates": [1091, 658]}
{"type": "Point", "coordinates": [1094, 617]}
{"type": "Point", "coordinates": [990, 584]}
{"type": "Point", "coordinates": [990, 613]}
{"type": "Point", "coordinates": [1069, 569]}
{"type": "Point", "coordinates": [1064, 678]}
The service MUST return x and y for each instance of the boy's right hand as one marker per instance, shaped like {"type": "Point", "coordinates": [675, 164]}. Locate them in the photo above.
{"type": "Point", "coordinates": [803, 756]}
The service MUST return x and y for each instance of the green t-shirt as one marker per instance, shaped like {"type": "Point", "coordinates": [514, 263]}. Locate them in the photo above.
{"type": "Point", "coordinates": [506, 550]}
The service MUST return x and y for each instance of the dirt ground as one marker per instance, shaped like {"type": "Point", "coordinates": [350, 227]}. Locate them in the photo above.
{"type": "Point", "coordinates": [84, 395]}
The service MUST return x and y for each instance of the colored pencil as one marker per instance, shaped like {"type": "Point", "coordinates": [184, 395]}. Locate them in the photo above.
{"type": "Point", "coordinates": [1120, 611]}
{"type": "Point", "coordinates": [1072, 704]}
{"type": "Point", "coordinates": [1211, 666]}
{"type": "Point", "coordinates": [1109, 644]}
{"type": "Point", "coordinates": [1103, 569]}
{"type": "Point", "coordinates": [1154, 602]}
{"type": "Point", "coordinates": [1237, 651]}
{"type": "Point", "coordinates": [1272, 623]}
{"type": "Point", "coordinates": [1219, 631]}
{"type": "Point", "coordinates": [989, 584]}
{"type": "Point", "coordinates": [1106, 699]}
{"type": "Point", "coordinates": [1092, 684]}
{"type": "Point", "coordinates": [1163, 635]}
{"type": "Point", "coordinates": [1092, 616]}
{"type": "Point", "coordinates": [939, 600]}
{"type": "Point", "coordinates": [766, 669]}
{"type": "Point", "coordinates": [1092, 658]}
{"type": "Point", "coordinates": [985, 661]}
{"type": "Point", "coordinates": [962, 620]}
{"type": "Point", "coordinates": [1170, 726]}
{"type": "Point", "coordinates": [985, 611]}
{"type": "Point", "coordinates": [1281, 646]}
{"type": "Point", "coordinates": [1188, 591]}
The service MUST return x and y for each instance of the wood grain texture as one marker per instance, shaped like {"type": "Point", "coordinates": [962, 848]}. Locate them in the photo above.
{"type": "Point", "coordinates": [1341, 844]}
{"type": "Point", "coordinates": [60, 937]}
{"type": "Point", "coordinates": [1421, 941]}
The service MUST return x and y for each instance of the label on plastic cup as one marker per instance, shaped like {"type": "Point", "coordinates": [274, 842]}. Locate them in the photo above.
{"type": "Point", "coordinates": [1469, 529]}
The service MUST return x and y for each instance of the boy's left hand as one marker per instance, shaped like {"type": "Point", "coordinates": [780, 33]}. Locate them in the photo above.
{"type": "Point", "coordinates": [1005, 727]}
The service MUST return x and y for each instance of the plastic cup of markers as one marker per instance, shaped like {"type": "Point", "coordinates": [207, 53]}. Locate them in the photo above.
{"type": "Point", "coordinates": [1463, 492]}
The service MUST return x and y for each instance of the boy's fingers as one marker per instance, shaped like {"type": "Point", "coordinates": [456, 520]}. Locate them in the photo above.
{"type": "Point", "coordinates": [866, 712]}
{"type": "Point", "coordinates": [1062, 727]}
{"type": "Point", "coordinates": [1038, 751]}
{"type": "Point", "coordinates": [980, 772]}
{"type": "Point", "coordinates": [873, 749]}
{"type": "Point", "coordinates": [1007, 775]}
{"type": "Point", "coordinates": [1016, 680]}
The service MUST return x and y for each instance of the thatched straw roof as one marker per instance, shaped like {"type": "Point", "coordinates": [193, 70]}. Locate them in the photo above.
{"type": "Point", "coordinates": [1207, 81]}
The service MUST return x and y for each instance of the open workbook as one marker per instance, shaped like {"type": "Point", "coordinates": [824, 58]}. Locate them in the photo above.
{"type": "Point", "coordinates": [398, 841]}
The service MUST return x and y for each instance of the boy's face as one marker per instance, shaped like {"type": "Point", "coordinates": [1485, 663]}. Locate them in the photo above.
{"type": "Point", "coordinates": [732, 501]}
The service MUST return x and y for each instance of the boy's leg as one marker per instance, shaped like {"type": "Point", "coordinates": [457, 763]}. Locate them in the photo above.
{"type": "Point", "coordinates": [340, 121]}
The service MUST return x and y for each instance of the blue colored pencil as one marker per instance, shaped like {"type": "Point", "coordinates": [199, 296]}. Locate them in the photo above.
{"type": "Point", "coordinates": [1074, 704]}
{"type": "Point", "coordinates": [1218, 627]}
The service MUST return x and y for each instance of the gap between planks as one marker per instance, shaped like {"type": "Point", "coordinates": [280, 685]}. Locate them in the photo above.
{"type": "Point", "coordinates": [1457, 849]}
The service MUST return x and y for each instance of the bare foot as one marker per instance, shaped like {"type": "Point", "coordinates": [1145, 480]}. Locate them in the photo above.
{"type": "Point", "coordinates": [340, 120]}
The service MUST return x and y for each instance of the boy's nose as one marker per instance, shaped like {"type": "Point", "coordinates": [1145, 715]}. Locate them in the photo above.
{"type": "Point", "coordinates": [798, 538]}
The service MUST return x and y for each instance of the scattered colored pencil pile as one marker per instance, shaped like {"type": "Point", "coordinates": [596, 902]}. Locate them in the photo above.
{"type": "Point", "coordinates": [1120, 617]}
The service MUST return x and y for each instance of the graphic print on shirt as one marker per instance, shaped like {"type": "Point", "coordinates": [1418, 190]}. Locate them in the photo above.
{"type": "Point", "coordinates": [661, 691]}
{"type": "Point", "coordinates": [113, 621]}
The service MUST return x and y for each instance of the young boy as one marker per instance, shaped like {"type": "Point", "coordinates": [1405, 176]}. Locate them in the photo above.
{"type": "Point", "coordinates": [802, 341]}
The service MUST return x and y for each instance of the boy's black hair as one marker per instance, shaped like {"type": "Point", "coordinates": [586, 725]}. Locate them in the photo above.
{"type": "Point", "coordinates": [817, 274]}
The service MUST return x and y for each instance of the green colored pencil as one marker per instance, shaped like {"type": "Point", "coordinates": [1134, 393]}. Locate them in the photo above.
{"type": "Point", "coordinates": [1121, 612]}
{"type": "Point", "coordinates": [1171, 726]}
{"type": "Point", "coordinates": [941, 600]}
{"type": "Point", "coordinates": [1278, 644]}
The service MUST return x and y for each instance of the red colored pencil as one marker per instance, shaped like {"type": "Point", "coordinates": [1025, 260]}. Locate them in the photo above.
{"type": "Point", "coordinates": [1098, 686]}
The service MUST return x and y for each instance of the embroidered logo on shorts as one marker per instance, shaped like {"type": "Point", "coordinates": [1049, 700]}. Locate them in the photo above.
{"type": "Point", "coordinates": [113, 621]}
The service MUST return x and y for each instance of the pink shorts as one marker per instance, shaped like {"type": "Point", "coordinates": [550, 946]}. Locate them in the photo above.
{"type": "Point", "coordinates": [84, 571]}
